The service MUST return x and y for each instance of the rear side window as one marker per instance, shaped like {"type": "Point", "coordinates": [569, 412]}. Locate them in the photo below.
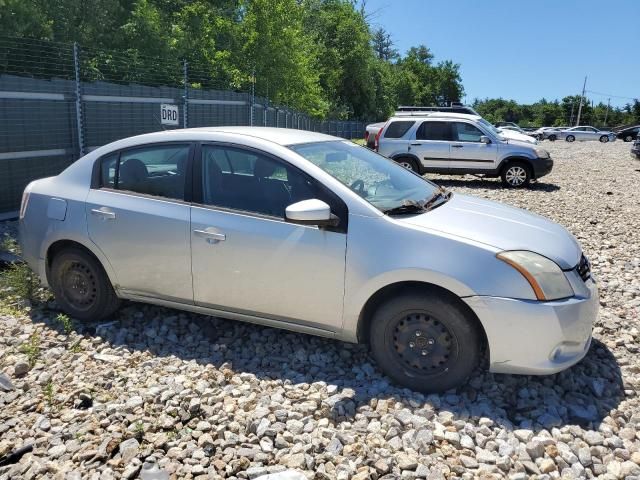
{"type": "Point", "coordinates": [434, 131]}
{"type": "Point", "coordinates": [158, 170]}
{"type": "Point", "coordinates": [398, 129]}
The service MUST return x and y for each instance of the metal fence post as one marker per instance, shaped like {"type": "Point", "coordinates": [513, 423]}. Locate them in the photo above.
{"type": "Point", "coordinates": [79, 125]}
{"type": "Point", "coordinates": [185, 113]}
{"type": "Point", "coordinates": [252, 101]}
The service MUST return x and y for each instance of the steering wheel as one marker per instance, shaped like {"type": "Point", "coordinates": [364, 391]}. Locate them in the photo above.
{"type": "Point", "coordinates": [358, 187]}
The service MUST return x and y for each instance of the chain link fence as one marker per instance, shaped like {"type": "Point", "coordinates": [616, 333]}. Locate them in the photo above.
{"type": "Point", "coordinates": [59, 101]}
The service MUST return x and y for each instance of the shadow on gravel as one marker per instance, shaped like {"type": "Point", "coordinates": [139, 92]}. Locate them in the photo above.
{"type": "Point", "coordinates": [583, 395]}
{"type": "Point", "coordinates": [488, 184]}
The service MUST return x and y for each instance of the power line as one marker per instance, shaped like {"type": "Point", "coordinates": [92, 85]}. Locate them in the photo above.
{"type": "Point", "coordinates": [612, 96]}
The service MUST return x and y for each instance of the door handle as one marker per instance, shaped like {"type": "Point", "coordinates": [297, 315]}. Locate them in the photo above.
{"type": "Point", "coordinates": [457, 146]}
{"type": "Point", "coordinates": [104, 213]}
{"type": "Point", "coordinates": [212, 237]}
{"type": "Point", "coordinates": [415, 144]}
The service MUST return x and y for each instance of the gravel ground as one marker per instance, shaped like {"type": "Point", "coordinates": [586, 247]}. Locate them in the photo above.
{"type": "Point", "coordinates": [210, 398]}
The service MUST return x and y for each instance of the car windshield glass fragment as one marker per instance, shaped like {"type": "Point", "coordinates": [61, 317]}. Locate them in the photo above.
{"type": "Point", "coordinates": [380, 181]}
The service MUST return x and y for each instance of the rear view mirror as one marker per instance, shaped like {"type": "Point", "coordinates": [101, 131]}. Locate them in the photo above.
{"type": "Point", "coordinates": [485, 139]}
{"type": "Point", "coordinates": [311, 212]}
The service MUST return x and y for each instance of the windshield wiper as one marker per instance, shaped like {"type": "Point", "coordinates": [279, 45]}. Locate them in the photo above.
{"type": "Point", "coordinates": [412, 206]}
{"type": "Point", "coordinates": [442, 194]}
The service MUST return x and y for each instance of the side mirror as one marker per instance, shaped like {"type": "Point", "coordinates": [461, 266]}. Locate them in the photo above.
{"type": "Point", "coordinates": [485, 139]}
{"type": "Point", "coordinates": [311, 212]}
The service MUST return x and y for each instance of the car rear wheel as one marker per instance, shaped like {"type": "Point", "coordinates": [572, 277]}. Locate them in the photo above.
{"type": "Point", "coordinates": [570, 138]}
{"type": "Point", "coordinates": [408, 163]}
{"type": "Point", "coordinates": [604, 139]}
{"type": "Point", "coordinates": [516, 175]}
{"type": "Point", "coordinates": [425, 341]}
{"type": "Point", "coordinates": [553, 138]}
{"type": "Point", "coordinates": [628, 138]}
{"type": "Point", "coordinates": [81, 286]}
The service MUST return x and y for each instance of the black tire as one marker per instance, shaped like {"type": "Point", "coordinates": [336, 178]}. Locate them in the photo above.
{"type": "Point", "coordinates": [570, 138]}
{"type": "Point", "coordinates": [553, 138]}
{"type": "Point", "coordinates": [628, 138]}
{"type": "Point", "coordinates": [516, 175]}
{"type": "Point", "coordinates": [408, 163]}
{"type": "Point", "coordinates": [604, 139]}
{"type": "Point", "coordinates": [407, 325]}
{"type": "Point", "coordinates": [81, 286]}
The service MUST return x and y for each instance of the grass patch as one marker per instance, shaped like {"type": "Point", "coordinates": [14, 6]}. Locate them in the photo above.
{"type": "Point", "coordinates": [31, 348]}
{"type": "Point", "coordinates": [359, 141]}
{"type": "Point", "coordinates": [18, 282]}
{"type": "Point", "coordinates": [65, 322]}
{"type": "Point", "coordinates": [49, 392]}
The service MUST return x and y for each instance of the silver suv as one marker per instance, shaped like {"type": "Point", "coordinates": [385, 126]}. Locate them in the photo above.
{"type": "Point", "coordinates": [459, 144]}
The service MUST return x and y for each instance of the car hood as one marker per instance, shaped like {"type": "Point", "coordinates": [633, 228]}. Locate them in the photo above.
{"type": "Point", "coordinates": [502, 227]}
{"type": "Point", "coordinates": [511, 135]}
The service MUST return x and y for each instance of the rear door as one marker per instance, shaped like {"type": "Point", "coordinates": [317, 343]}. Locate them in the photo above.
{"type": "Point", "coordinates": [468, 152]}
{"type": "Point", "coordinates": [138, 217]}
{"type": "Point", "coordinates": [431, 144]}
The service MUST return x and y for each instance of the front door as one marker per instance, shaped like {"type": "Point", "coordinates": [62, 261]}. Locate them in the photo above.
{"type": "Point", "coordinates": [432, 145]}
{"type": "Point", "coordinates": [467, 151]}
{"type": "Point", "coordinates": [137, 217]}
{"type": "Point", "coordinates": [246, 258]}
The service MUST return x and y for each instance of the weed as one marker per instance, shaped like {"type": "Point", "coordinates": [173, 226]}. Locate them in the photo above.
{"type": "Point", "coordinates": [18, 282]}
{"type": "Point", "coordinates": [76, 347]}
{"type": "Point", "coordinates": [48, 392]}
{"type": "Point", "coordinates": [66, 322]}
{"type": "Point", "coordinates": [9, 244]}
{"type": "Point", "coordinates": [31, 348]}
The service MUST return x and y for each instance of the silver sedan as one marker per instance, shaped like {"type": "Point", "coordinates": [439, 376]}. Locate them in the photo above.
{"type": "Point", "coordinates": [312, 233]}
{"type": "Point", "coordinates": [586, 133]}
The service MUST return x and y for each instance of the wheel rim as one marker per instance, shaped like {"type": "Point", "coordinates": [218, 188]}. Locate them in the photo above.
{"type": "Point", "coordinates": [570, 139]}
{"type": "Point", "coordinates": [79, 285]}
{"type": "Point", "coordinates": [406, 164]}
{"type": "Point", "coordinates": [423, 344]}
{"type": "Point", "coordinates": [604, 139]}
{"type": "Point", "coordinates": [516, 176]}
{"type": "Point", "coordinates": [628, 138]}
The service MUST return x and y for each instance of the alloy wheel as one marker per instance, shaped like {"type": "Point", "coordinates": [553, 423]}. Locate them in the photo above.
{"type": "Point", "coordinates": [516, 176]}
{"type": "Point", "coordinates": [406, 164]}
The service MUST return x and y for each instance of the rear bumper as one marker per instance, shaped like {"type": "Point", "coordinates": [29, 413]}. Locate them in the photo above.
{"type": "Point", "coordinates": [537, 338]}
{"type": "Point", "coordinates": [542, 167]}
{"type": "Point", "coordinates": [635, 151]}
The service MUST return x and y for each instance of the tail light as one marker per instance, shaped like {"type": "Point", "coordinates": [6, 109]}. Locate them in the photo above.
{"type": "Point", "coordinates": [25, 201]}
{"type": "Point", "coordinates": [376, 142]}
{"type": "Point", "coordinates": [366, 137]}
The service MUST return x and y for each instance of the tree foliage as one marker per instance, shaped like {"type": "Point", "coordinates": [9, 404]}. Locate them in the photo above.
{"type": "Point", "coordinates": [320, 56]}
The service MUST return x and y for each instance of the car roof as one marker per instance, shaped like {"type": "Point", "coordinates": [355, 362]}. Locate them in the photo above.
{"type": "Point", "coordinates": [463, 116]}
{"type": "Point", "coordinates": [280, 136]}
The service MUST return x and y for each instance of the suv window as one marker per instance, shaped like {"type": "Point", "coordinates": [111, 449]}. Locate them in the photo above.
{"type": "Point", "coordinates": [465, 132]}
{"type": "Point", "coordinates": [398, 129]}
{"type": "Point", "coordinates": [434, 131]}
{"type": "Point", "coordinates": [158, 170]}
{"type": "Point", "coordinates": [245, 180]}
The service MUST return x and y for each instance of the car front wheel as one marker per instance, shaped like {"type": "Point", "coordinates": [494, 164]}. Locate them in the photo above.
{"type": "Point", "coordinates": [553, 138]}
{"type": "Point", "coordinates": [628, 138]}
{"type": "Point", "coordinates": [604, 139]}
{"type": "Point", "coordinates": [408, 163]}
{"type": "Point", "coordinates": [81, 286]}
{"type": "Point", "coordinates": [570, 138]}
{"type": "Point", "coordinates": [425, 342]}
{"type": "Point", "coordinates": [516, 175]}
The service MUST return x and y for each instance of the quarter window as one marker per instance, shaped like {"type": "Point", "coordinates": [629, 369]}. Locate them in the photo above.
{"type": "Point", "coordinates": [434, 131]}
{"type": "Point", "coordinates": [159, 170]}
{"type": "Point", "coordinates": [465, 132]}
{"type": "Point", "coordinates": [249, 181]}
{"type": "Point", "coordinates": [398, 129]}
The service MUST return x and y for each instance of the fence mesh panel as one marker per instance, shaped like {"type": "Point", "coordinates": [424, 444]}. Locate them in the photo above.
{"type": "Point", "coordinates": [59, 101]}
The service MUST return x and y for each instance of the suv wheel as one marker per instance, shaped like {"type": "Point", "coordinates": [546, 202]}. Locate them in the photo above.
{"type": "Point", "coordinates": [604, 139]}
{"type": "Point", "coordinates": [408, 163]}
{"type": "Point", "coordinates": [516, 175]}
{"type": "Point", "coordinates": [425, 342]}
{"type": "Point", "coordinates": [570, 138]}
{"type": "Point", "coordinates": [81, 287]}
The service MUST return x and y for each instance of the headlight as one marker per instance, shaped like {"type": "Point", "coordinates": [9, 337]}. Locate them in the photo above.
{"type": "Point", "coordinates": [545, 277]}
{"type": "Point", "coordinates": [541, 153]}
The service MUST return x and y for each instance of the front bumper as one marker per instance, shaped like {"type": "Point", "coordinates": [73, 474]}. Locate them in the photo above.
{"type": "Point", "coordinates": [542, 167]}
{"type": "Point", "coordinates": [635, 151]}
{"type": "Point", "coordinates": [538, 338]}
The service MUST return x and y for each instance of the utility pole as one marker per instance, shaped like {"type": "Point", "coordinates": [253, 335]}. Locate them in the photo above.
{"type": "Point", "coordinates": [607, 112]}
{"type": "Point", "coordinates": [584, 86]}
{"type": "Point", "coordinates": [573, 106]}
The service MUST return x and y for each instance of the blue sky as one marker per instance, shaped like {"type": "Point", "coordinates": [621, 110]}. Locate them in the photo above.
{"type": "Point", "coordinates": [525, 50]}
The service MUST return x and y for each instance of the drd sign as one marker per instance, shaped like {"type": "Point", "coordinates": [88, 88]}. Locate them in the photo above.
{"type": "Point", "coordinates": [169, 114]}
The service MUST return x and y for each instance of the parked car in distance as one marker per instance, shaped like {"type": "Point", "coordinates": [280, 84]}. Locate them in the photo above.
{"type": "Point", "coordinates": [370, 133]}
{"type": "Point", "coordinates": [460, 144]}
{"type": "Point", "coordinates": [629, 134]}
{"type": "Point", "coordinates": [635, 148]}
{"type": "Point", "coordinates": [543, 133]}
{"type": "Point", "coordinates": [585, 133]}
{"type": "Point", "coordinates": [303, 231]}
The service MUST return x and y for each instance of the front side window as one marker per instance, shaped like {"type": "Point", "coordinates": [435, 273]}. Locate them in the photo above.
{"type": "Point", "coordinates": [158, 170]}
{"type": "Point", "coordinates": [398, 129]}
{"type": "Point", "coordinates": [465, 132]}
{"type": "Point", "coordinates": [434, 131]}
{"type": "Point", "coordinates": [380, 181]}
{"type": "Point", "coordinates": [249, 181]}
